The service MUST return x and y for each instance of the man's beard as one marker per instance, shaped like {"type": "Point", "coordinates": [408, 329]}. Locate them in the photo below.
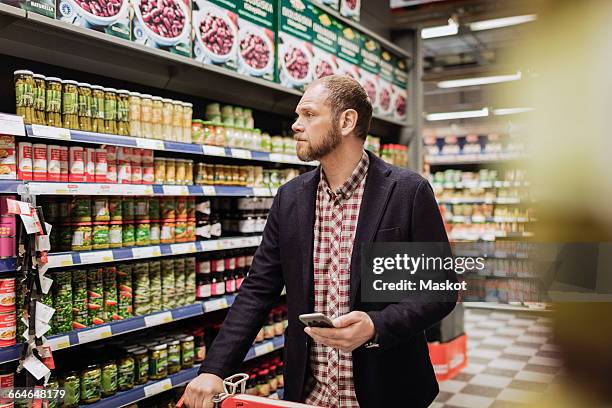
{"type": "Point", "coordinates": [310, 152]}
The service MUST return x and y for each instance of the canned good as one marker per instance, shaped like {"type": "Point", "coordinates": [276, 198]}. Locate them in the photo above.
{"type": "Point", "coordinates": [81, 236]}
{"type": "Point", "coordinates": [141, 288]}
{"type": "Point", "coordinates": [128, 234]}
{"type": "Point", "coordinates": [128, 208]}
{"type": "Point", "coordinates": [141, 208]}
{"type": "Point", "coordinates": [155, 285]}
{"type": "Point", "coordinates": [137, 156]}
{"type": "Point", "coordinates": [180, 175]}
{"type": "Point", "coordinates": [90, 165]}
{"type": "Point", "coordinates": [111, 173]}
{"type": "Point", "coordinates": [124, 285]}
{"type": "Point", "coordinates": [8, 329]}
{"type": "Point", "coordinates": [158, 362]}
{"type": "Point", "coordinates": [167, 232]}
{"type": "Point", "coordinates": [160, 170]}
{"type": "Point", "coordinates": [77, 164]}
{"type": "Point", "coordinates": [39, 162]}
{"type": "Point", "coordinates": [7, 380]}
{"type": "Point", "coordinates": [111, 154]}
{"type": "Point", "coordinates": [114, 208]}
{"type": "Point", "coordinates": [101, 165]}
{"type": "Point", "coordinates": [155, 233]}
{"type": "Point", "coordinates": [143, 233]}
{"type": "Point", "coordinates": [95, 295]}
{"type": "Point", "coordinates": [136, 174]}
{"type": "Point", "coordinates": [91, 384]}
{"type": "Point", "coordinates": [109, 378]}
{"type": "Point", "coordinates": [101, 235]}
{"type": "Point", "coordinates": [80, 208]}
{"type": "Point", "coordinates": [141, 365]}
{"type": "Point", "coordinates": [71, 383]}
{"type": "Point", "coordinates": [115, 235]}
{"type": "Point", "coordinates": [100, 209]}
{"type": "Point", "coordinates": [180, 231]}
{"type": "Point", "coordinates": [79, 299]}
{"type": "Point", "coordinates": [187, 351]}
{"type": "Point", "coordinates": [124, 155]}
{"type": "Point", "coordinates": [168, 279]}
{"type": "Point", "coordinates": [168, 210]}
{"type": "Point", "coordinates": [53, 163]}
{"type": "Point", "coordinates": [125, 372]}
{"type": "Point", "coordinates": [64, 164]}
{"type": "Point", "coordinates": [124, 173]}
{"type": "Point", "coordinates": [154, 213]}
{"type": "Point", "coordinates": [170, 177]}
{"type": "Point", "coordinates": [147, 156]}
{"type": "Point", "coordinates": [174, 357]}
{"type": "Point", "coordinates": [148, 174]}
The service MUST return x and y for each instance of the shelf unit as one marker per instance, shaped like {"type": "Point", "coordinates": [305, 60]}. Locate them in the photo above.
{"type": "Point", "coordinates": [506, 307]}
{"type": "Point", "coordinates": [473, 158]}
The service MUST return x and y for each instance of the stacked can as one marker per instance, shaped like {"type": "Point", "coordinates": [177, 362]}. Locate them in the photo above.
{"type": "Point", "coordinates": [80, 214]}
{"type": "Point", "coordinates": [140, 280]}
{"type": "Point", "coordinates": [168, 280]}
{"type": "Point", "coordinates": [191, 219]}
{"type": "Point", "coordinates": [180, 230]}
{"type": "Point", "coordinates": [111, 160]}
{"type": "Point", "coordinates": [124, 285]}
{"type": "Point", "coordinates": [142, 225]}
{"type": "Point", "coordinates": [109, 282]}
{"type": "Point", "coordinates": [8, 229]}
{"type": "Point", "coordinates": [179, 281]}
{"type": "Point", "coordinates": [90, 165]}
{"type": "Point", "coordinates": [62, 302]}
{"type": "Point", "coordinates": [155, 217]}
{"type": "Point", "coordinates": [124, 165]}
{"type": "Point", "coordinates": [100, 214]}
{"type": "Point", "coordinates": [24, 161]}
{"type": "Point", "coordinates": [8, 311]}
{"type": "Point", "coordinates": [76, 164]}
{"type": "Point", "coordinates": [80, 298]}
{"type": "Point", "coordinates": [95, 295]}
{"type": "Point", "coordinates": [168, 217]}
{"type": "Point", "coordinates": [155, 286]}
{"type": "Point", "coordinates": [128, 234]}
{"type": "Point", "coordinates": [190, 280]}
{"type": "Point", "coordinates": [115, 235]}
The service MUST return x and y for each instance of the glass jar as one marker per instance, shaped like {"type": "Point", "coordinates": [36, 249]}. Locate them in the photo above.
{"type": "Point", "coordinates": [208, 133]}
{"type": "Point", "coordinates": [160, 170]}
{"type": "Point", "coordinates": [146, 116]}
{"type": "Point", "coordinates": [100, 209]}
{"type": "Point", "coordinates": [174, 357]}
{"type": "Point", "coordinates": [115, 208]}
{"type": "Point", "coordinates": [97, 109]}
{"type": "Point", "coordinates": [266, 142]}
{"type": "Point", "coordinates": [110, 111]}
{"type": "Point", "coordinates": [70, 104]}
{"type": "Point", "coordinates": [201, 174]}
{"type": "Point", "coordinates": [53, 104]}
{"type": "Point", "coordinates": [211, 175]}
{"type": "Point", "coordinates": [109, 378]}
{"type": "Point", "coordinates": [134, 116]}
{"type": "Point", "coordinates": [177, 121]}
{"type": "Point", "coordinates": [167, 119]}
{"type": "Point", "coordinates": [187, 351]}
{"type": "Point", "coordinates": [180, 231]}
{"type": "Point", "coordinates": [154, 208]}
{"type": "Point", "coordinates": [71, 383]}
{"type": "Point", "coordinates": [168, 208]}
{"type": "Point", "coordinates": [123, 110]}
{"type": "Point", "coordinates": [197, 131]}
{"type": "Point", "coordinates": [189, 172]}
{"type": "Point", "coordinates": [125, 372]}
{"type": "Point", "coordinates": [84, 106]}
{"type": "Point", "coordinates": [230, 136]}
{"type": "Point", "coordinates": [24, 95]}
{"type": "Point", "coordinates": [128, 211]}
{"type": "Point", "coordinates": [141, 365]}
{"type": "Point", "coordinates": [81, 236]}
{"type": "Point", "coordinates": [100, 235]}
{"type": "Point", "coordinates": [180, 171]}
{"type": "Point", "coordinates": [156, 117]}
{"type": "Point", "coordinates": [158, 362]}
{"type": "Point", "coordinates": [170, 171]}
{"type": "Point", "coordinates": [115, 234]}
{"type": "Point", "coordinates": [40, 92]}
{"type": "Point", "coordinates": [91, 384]}
{"type": "Point", "coordinates": [167, 232]}
{"type": "Point", "coordinates": [143, 233]}
{"type": "Point", "coordinates": [155, 233]}
{"type": "Point", "coordinates": [187, 117]}
{"type": "Point", "coordinates": [128, 234]}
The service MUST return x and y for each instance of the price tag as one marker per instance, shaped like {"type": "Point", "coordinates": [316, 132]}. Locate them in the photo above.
{"type": "Point", "coordinates": [213, 150]}
{"type": "Point", "coordinates": [208, 245]}
{"type": "Point", "coordinates": [276, 157]}
{"type": "Point", "coordinates": [264, 349]}
{"type": "Point", "coordinates": [146, 252]}
{"type": "Point", "coordinates": [158, 387]}
{"type": "Point", "coordinates": [11, 125]}
{"type": "Point", "coordinates": [175, 190]}
{"type": "Point", "coordinates": [186, 248]}
{"type": "Point", "coordinates": [217, 304]}
{"type": "Point", "coordinates": [56, 261]}
{"type": "Point", "coordinates": [59, 343]}
{"type": "Point", "coordinates": [209, 191]}
{"type": "Point", "coordinates": [157, 319]}
{"type": "Point", "coordinates": [50, 132]}
{"type": "Point", "coordinates": [96, 257]}
{"type": "Point", "coordinates": [150, 144]}
{"type": "Point", "coordinates": [94, 334]}
{"type": "Point", "coordinates": [241, 154]}
{"type": "Point", "coordinates": [261, 192]}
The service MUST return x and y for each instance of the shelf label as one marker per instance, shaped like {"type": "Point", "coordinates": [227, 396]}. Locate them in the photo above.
{"type": "Point", "coordinates": [274, 190]}
{"type": "Point", "coordinates": [217, 304]}
{"type": "Point", "coordinates": [157, 319]}
{"type": "Point", "coordinates": [261, 192]}
{"type": "Point", "coordinates": [50, 132]}
{"type": "Point", "coordinates": [276, 157]}
{"type": "Point", "coordinates": [175, 190]}
{"type": "Point", "coordinates": [150, 144]}
{"type": "Point", "coordinates": [96, 257]}
{"type": "Point", "coordinates": [241, 154]}
{"type": "Point", "coordinates": [146, 252]}
{"type": "Point", "coordinates": [185, 248]}
{"type": "Point", "coordinates": [209, 191]}
{"type": "Point", "coordinates": [264, 349]}
{"type": "Point", "coordinates": [56, 261]}
{"type": "Point", "coordinates": [94, 334]}
{"type": "Point", "coordinates": [59, 343]}
{"type": "Point", "coordinates": [11, 125]}
{"type": "Point", "coordinates": [158, 387]}
{"type": "Point", "coordinates": [213, 150]}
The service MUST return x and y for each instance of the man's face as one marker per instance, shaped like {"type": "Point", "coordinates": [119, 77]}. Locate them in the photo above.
{"type": "Point", "coordinates": [315, 130]}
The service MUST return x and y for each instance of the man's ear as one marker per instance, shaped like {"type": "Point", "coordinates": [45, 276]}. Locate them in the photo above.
{"type": "Point", "coordinates": [348, 121]}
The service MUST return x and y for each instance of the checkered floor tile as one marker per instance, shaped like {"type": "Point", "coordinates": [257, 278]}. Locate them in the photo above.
{"type": "Point", "coordinates": [511, 362]}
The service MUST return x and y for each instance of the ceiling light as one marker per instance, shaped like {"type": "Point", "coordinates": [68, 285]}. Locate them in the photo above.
{"type": "Point", "coordinates": [458, 115]}
{"type": "Point", "coordinates": [455, 83]}
{"type": "Point", "coordinates": [440, 31]}
{"type": "Point", "coordinates": [501, 22]}
{"type": "Point", "coordinates": [511, 111]}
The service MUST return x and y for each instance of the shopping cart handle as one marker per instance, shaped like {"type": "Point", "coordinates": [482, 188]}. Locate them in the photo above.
{"type": "Point", "coordinates": [180, 402]}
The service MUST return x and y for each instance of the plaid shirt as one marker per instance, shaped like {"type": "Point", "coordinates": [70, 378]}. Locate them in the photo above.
{"type": "Point", "coordinates": [335, 224]}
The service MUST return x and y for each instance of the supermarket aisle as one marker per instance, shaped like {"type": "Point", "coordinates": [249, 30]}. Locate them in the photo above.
{"type": "Point", "coordinates": [511, 360]}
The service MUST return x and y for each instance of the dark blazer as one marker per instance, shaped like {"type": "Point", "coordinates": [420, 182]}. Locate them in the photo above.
{"type": "Point", "coordinates": [397, 205]}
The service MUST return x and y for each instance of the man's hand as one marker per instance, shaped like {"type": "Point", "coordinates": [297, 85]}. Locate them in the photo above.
{"type": "Point", "coordinates": [200, 390]}
{"type": "Point", "coordinates": [350, 331]}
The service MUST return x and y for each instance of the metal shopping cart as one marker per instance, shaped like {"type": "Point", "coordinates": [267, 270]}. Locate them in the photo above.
{"type": "Point", "coordinates": [233, 396]}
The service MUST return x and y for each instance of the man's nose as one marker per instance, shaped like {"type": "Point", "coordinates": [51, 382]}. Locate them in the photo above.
{"type": "Point", "coordinates": [297, 126]}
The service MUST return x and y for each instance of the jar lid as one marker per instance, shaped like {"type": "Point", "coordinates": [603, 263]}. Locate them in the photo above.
{"type": "Point", "coordinates": [84, 85]}
{"type": "Point", "coordinates": [198, 121]}
{"type": "Point", "coordinates": [97, 87]}
{"type": "Point", "coordinates": [167, 100]}
{"type": "Point", "coordinates": [123, 92]}
{"type": "Point", "coordinates": [174, 343]}
{"type": "Point", "coordinates": [23, 72]}
{"type": "Point", "coordinates": [159, 158]}
{"type": "Point", "coordinates": [159, 347]}
{"type": "Point", "coordinates": [140, 350]}
{"type": "Point", "coordinates": [188, 104]}
{"type": "Point", "coordinates": [177, 102]}
{"type": "Point", "coordinates": [92, 367]}
{"type": "Point", "coordinates": [39, 76]}
{"type": "Point", "coordinates": [146, 96]}
{"type": "Point", "coordinates": [138, 94]}
{"type": "Point", "coordinates": [187, 338]}
{"type": "Point", "coordinates": [110, 90]}
{"type": "Point", "coordinates": [54, 79]}
{"type": "Point", "coordinates": [69, 82]}
{"type": "Point", "coordinates": [157, 98]}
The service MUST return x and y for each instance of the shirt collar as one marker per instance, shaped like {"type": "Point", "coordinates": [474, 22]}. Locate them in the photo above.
{"type": "Point", "coordinates": [347, 189]}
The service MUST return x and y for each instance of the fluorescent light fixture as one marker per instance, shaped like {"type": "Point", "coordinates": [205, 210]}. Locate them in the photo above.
{"type": "Point", "coordinates": [502, 22]}
{"type": "Point", "coordinates": [455, 83]}
{"type": "Point", "coordinates": [511, 111]}
{"type": "Point", "coordinates": [458, 115]}
{"type": "Point", "coordinates": [440, 31]}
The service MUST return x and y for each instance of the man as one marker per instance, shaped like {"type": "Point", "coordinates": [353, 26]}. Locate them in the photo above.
{"type": "Point", "coordinates": [376, 355]}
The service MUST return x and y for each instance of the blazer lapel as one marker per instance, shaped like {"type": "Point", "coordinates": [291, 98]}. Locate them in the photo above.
{"type": "Point", "coordinates": [376, 194]}
{"type": "Point", "coordinates": [306, 201]}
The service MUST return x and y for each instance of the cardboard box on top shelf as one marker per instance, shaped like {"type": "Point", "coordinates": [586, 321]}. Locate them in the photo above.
{"type": "Point", "coordinates": [215, 32]}
{"type": "Point", "coordinates": [163, 24]}
{"type": "Point", "coordinates": [257, 38]}
{"type": "Point", "coordinates": [370, 68]}
{"type": "Point", "coordinates": [325, 42]}
{"type": "Point", "coordinates": [112, 18]}
{"type": "Point", "coordinates": [295, 57]}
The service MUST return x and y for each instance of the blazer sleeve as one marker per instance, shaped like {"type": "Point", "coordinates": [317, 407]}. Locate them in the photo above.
{"type": "Point", "coordinates": [258, 294]}
{"type": "Point", "coordinates": [398, 322]}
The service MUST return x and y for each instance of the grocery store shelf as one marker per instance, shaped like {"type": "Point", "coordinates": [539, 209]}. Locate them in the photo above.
{"type": "Point", "coordinates": [535, 308]}
{"type": "Point", "coordinates": [466, 200]}
{"type": "Point", "coordinates": [10, 186]}
{"type": "Point", "coordinates": [479, 184]}
{"type": "Point", "coordinates": [76, 258]}
{"type": "Point", "coordinates": [175, 380]}
{"type": "Point", "coordinates": [460, 219]}
{"type": "Point", "coordinates": [47, 132]}
{"type": "Point", "coordinates": [473, 158]}
{"type": "Point", "coordinates": [7, 264]}
{"type": "Point", "coordinates": [486, 236]}
{"type": "Point", "coordinates": [7, 11]}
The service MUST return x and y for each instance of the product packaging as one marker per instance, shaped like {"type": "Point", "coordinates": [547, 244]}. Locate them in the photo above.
{"type": "Point", "coordinates": [111, 17]}
{"type": "Point", "coordinates": [44, 7]}
{"type": "Point", "coordinates": [333, 4]}
{"type": "Point", "coordinates": [400, 92]}
{"type": "Point", "coordinates": [385, 81]}
{"type": "Point", "coordinates": [349, 55]}
{"type": "Point", "coordinates": [256, 38]}
{"type": "Point", "coordinates": [295, 54]}
{"type": "Point", "coordinates": [350, 9]}
{"type": "Point", "coordinates": [8, 166]}
{"type": "Point", "coordinates": [215, 32]}
{"type": "Point", "coordinates": [164, 24]}
{"type": "Point", "coordinates": [325, 41]}
{"type": "Point", "coordinates": [370, 68]}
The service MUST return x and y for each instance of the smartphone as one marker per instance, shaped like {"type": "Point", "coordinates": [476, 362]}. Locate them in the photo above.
{"type": "Point", "coordinates": [316, 320]}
